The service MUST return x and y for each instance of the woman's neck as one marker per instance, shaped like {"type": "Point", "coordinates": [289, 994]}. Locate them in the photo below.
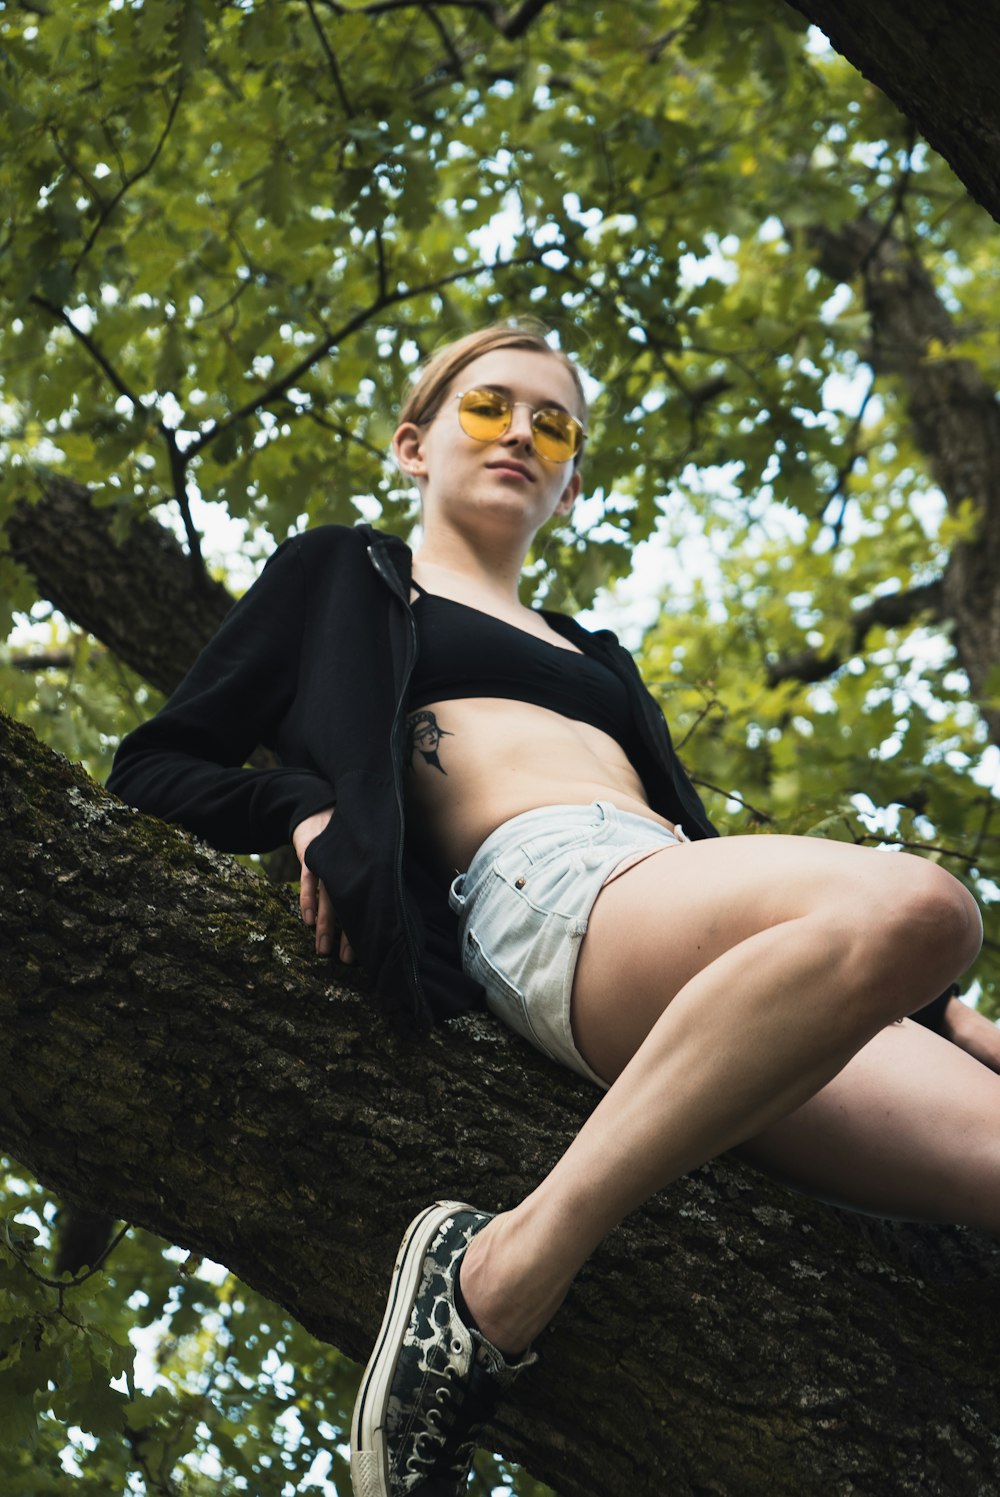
{"type": "Point", "coordinates": [450, 560]}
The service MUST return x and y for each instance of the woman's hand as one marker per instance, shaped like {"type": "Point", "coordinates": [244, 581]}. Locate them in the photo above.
{"type": "Point", "coordinates": [314, 901]}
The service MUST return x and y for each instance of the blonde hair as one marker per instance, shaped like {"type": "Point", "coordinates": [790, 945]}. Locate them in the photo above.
{"type": "Point", "coordinates": [425, 393]}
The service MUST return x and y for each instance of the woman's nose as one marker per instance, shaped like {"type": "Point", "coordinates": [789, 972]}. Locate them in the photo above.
{"type": "Point", "coordinates": [520, 429]}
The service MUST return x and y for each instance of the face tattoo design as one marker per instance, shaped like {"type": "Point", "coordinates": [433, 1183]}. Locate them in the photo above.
{"type": "Point", "coordinates": [423, 736]}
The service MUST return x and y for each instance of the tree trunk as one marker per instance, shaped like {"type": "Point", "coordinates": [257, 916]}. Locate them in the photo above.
{"type": "Point", "coordinates": [174, 1054]}
{"type": "Point", "coordinates": [938, 64]}
{"type": "Point", "coordinates": [955, 418]}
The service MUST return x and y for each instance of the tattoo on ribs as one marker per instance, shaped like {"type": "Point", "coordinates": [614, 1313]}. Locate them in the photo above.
{"type": "Point", "coordinates": [423, 736]}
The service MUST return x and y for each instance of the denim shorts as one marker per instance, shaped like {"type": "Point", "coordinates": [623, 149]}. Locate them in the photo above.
{"type": "Point", "coordinates": [523, 907]}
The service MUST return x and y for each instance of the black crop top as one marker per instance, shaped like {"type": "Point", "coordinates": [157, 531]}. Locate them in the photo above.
{"type": "Point", "coordinates": [467, 653]}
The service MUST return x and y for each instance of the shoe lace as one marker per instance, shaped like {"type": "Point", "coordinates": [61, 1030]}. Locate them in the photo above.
{"type": "Point", "coordinates": [458, 1408]}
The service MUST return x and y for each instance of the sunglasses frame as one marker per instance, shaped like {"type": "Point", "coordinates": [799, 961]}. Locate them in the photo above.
{"type": "Point", "coordinates": [512, 405]}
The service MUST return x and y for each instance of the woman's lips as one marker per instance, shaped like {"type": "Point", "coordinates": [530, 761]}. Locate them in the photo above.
{"type": "Point", "coordinates": [510, 466]}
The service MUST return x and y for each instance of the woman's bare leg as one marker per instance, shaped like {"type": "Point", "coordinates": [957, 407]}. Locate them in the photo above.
{"type": "Point", "coordinates": [720, 986]}
{"type": "Point", "coordinates": [909, 1128]}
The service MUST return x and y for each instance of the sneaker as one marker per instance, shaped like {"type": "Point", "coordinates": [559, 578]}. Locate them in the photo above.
{"type": "Point", "coordinates": [432, 1381]}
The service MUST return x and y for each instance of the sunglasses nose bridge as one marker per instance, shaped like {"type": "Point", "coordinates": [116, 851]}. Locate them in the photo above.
{"type": "Point", "coordinates": [520, 423]}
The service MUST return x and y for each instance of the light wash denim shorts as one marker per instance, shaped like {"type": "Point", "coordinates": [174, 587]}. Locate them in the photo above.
{"type": "Point", "coordinates": [523, 907]}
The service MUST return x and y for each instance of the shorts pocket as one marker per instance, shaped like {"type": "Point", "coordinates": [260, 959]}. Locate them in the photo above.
{"type": "Point", "coordinates": [523, 856]}
{"type": "Point", "coordinates": [502, 997]}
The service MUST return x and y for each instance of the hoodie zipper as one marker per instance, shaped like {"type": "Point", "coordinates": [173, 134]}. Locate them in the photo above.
{"type": "Point", "coordinates": [391, 581]}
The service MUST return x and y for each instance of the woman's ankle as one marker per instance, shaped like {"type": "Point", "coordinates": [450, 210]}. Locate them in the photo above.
{"type": "Point", "coordinates": [508, 1308]}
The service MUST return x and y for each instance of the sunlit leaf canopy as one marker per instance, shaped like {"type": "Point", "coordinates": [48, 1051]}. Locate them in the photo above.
{"type": "Point", "coordinates": [236, 228]}
{"type": "Point", "coordinates": [232, 233]}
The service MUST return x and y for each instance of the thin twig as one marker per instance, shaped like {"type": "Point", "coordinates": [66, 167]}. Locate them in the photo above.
{"type": "Point", "coordinates": [947, 852]}
{"type": "Point", "coordinates": [989, 805]}
{"type": "Point", "coordinates": [757, 814]}
{"type": "Point", "coordinates": [76, 170]}
{"type": "Point", "coordinates": [897, 207]}
{"type": "Point", "coordinates": [344, 432]}
{"type": "Point", "coordinates": [845, 470]}
{"type": "Point", "coordinates": [457, 65]}
{"type": "Point", "coordinates": [708, 707]}
{"type": "Point", "coordinates": [63, 1284]}
{"type": "Point", "coordinates": [293, 377]}
{"type": "Point", "coordinates": [178, 476]}
{"type": "Point", "coordinates": [129, 182]}
{"type": "Point", "coordinates": [61, 315]}
{"type": "Point", "coordinates": [335, 73]}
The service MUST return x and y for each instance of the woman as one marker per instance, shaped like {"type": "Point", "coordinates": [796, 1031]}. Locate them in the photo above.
{"type": "Point", "coordinates": [738, 992]}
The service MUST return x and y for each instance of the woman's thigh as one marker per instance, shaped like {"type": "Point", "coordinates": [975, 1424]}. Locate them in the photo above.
{"type": "Point", "coordinates": [910, 1128]}
{"type": "Point", "coordinates": [665, 920]}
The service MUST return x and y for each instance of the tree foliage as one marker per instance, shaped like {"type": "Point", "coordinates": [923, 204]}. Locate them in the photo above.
{"type": "Point", "coordinates": [232, 231]}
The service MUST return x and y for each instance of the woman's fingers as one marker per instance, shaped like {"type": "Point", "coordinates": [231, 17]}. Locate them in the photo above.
{"type": "Point", "coordinates": [314, 902]}
{"type": "Point", "coordinates": [308, 890]}
{"type": "Point", "coordinates": [317, 910]}
{"type": "Point", "coordinates": [326, 922]}
{"type": "Point", "coordinates": [326, 929]}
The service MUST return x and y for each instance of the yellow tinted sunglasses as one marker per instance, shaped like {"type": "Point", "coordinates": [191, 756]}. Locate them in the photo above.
{"type": "Point", "coordinates": [485, 415]}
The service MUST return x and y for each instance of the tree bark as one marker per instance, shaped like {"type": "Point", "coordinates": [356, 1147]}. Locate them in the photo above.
{"type": "Point", "coordinates": [173, 1053]}
{"type": "Point", "coordinates": [937, 63]}
{"type": "Point", "coordinates": [955, 419]}
{"type": "Point", "coordinates": [129, 584]}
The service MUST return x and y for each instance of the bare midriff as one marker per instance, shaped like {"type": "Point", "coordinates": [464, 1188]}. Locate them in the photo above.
{"type": "Point", "coordinates": [486, 760]}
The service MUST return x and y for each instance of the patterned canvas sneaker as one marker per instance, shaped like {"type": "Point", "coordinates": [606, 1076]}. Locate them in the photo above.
{"type": "Point", "coordinates": [432, 1381]}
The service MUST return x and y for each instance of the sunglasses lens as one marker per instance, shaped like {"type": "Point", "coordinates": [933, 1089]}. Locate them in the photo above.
{"type": "Point", "coordinates": [558, 435]}
{"type": "Point", "coordinates": [484, 414]}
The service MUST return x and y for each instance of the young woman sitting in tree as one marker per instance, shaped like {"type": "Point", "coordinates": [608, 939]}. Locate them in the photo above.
{"type": "Point", "coordinates": [488, 799]}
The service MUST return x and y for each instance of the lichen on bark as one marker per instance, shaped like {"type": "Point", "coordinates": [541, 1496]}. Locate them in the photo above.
{"type": "Point", "coordinates": [177, 1056]}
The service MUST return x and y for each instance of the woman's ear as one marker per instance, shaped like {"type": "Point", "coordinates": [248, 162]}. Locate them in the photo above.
{"type": "Point", "coordinates": [569, 495]}
{"type": "Point", "coordinates": [408, 446]}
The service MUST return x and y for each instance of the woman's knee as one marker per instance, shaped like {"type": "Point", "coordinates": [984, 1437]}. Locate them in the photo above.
{"type": "Point", "coordinates": [925, 923]}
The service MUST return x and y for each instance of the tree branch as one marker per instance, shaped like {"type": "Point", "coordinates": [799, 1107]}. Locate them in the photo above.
{"type": "Point", "coordinates": [137, 176]}
{"type": "Point", "coordinates": [188, 1064]}
{"type": "Point", "coordinates": [152, 618]}
{"type": "Point", "coordinates": [331, 59]}
{"type": "Point", "coordinates": [935, 69]}
{"type": "Point", "coordinates": [891, 611]}
{"type": "Point", "coordinates": [380, 304]}
{"type": "Point", "coordinates": [955, 420]}
{"type": "Point", "coordinates": [90, 344]}
{"type": "Point", "coordinates": [511, 24]}
{"type": "Point", "coordinates": [517, 21]}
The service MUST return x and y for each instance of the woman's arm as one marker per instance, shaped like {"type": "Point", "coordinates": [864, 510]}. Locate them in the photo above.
{"type": "Point", "coordinates": [186, 763]}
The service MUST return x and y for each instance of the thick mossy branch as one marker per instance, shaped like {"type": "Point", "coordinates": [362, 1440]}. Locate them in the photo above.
{"type": "Point", "coordinates": [131, 586]}
{"type": "Point", "coordinates": [936, 65]}
{"type": "Point", "coordinates": [174, 1053]}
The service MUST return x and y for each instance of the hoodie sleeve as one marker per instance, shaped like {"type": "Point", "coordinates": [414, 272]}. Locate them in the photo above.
{"type": "Point", "coordinates": [186, 763]}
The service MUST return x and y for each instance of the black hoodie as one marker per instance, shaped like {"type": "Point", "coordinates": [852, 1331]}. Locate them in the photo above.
{"type": "Point", "coordinates": [314, 662]}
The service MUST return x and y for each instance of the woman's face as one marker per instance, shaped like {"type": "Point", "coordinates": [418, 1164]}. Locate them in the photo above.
{"type": "Point", "coordinates": [504, 483]}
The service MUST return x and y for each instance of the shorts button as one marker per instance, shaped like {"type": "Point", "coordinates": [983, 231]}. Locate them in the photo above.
{"type": "Point", "coordinates": [519, 883]}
